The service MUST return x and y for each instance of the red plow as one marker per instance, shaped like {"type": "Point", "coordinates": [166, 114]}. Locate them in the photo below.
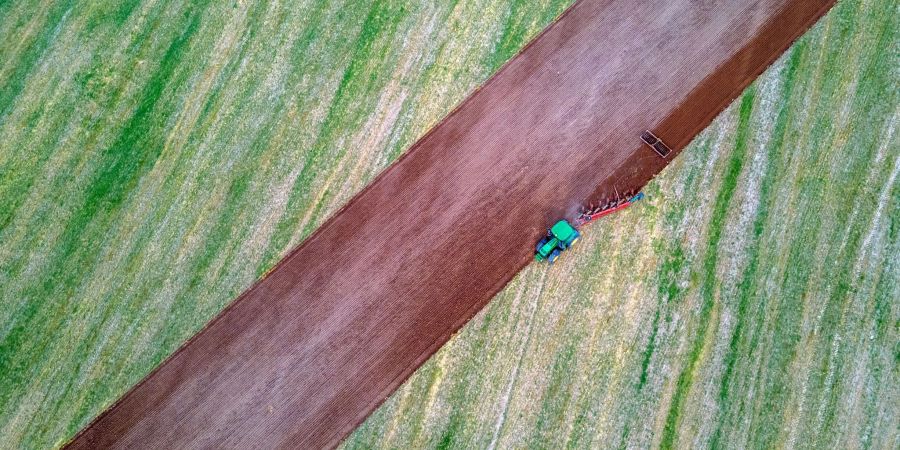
{"type": "Point", "coordinates": [593, 213]}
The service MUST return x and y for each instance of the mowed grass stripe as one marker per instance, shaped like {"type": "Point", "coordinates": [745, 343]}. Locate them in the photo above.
{"type": "Point", "coordinates": [116, 174]}
{"type": "Point", "coordinates": [747, 291]}
{"type": "Point", "coordinates": [710, 277]}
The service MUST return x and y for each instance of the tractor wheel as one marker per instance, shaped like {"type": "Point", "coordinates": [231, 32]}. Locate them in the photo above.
{"type": "Point", "coordinates": [553, 255]}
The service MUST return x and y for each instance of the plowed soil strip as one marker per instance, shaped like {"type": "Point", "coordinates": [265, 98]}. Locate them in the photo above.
{"type": "Point", "coordinates": [310, 350]}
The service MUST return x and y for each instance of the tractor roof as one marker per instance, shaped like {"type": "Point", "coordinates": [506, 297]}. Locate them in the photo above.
{"type": "Point", "coordinates": [562, 230]}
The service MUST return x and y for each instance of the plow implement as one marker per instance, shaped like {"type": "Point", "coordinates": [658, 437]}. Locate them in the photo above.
{"type": "Point", "coordinates": [592, 213]}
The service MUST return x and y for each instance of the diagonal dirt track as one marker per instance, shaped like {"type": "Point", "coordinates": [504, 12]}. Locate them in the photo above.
{"type": "Point", "coordinates": [311, 349]}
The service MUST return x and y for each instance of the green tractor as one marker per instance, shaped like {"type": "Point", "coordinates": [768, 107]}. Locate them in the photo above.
{"type": "Point", "coordinates": [559, 237]}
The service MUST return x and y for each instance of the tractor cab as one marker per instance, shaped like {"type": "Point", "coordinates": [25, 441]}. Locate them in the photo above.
{"type": "Point", "coordinates": [559, 237]}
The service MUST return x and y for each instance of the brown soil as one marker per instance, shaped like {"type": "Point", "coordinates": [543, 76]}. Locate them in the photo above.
{"type": "Point", "coordinates": [309, 351]}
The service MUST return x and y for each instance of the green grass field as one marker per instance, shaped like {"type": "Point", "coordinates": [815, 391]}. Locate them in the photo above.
{"type": "Point", "coordinates": [157, 157]}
